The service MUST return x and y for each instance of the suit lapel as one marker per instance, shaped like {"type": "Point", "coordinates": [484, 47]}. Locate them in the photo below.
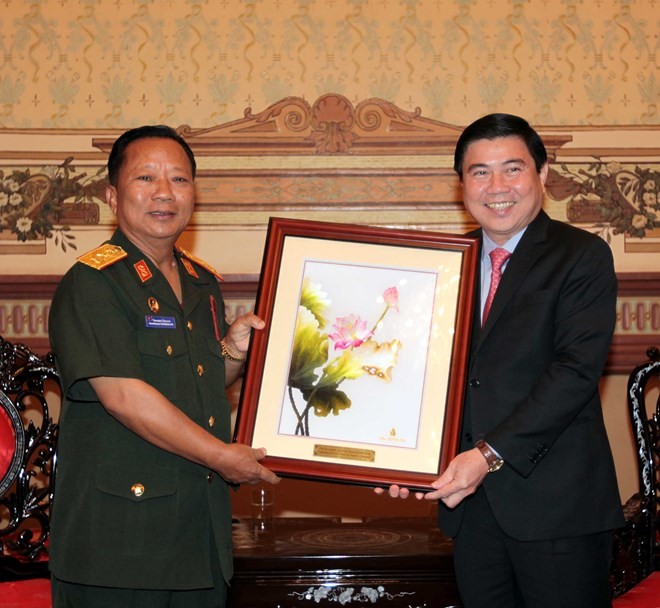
{"type": "Point", "coordinates": [528, 250]}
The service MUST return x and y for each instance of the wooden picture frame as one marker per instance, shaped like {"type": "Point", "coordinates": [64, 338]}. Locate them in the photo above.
{"type": "Point", "coordinates": [358, 376]}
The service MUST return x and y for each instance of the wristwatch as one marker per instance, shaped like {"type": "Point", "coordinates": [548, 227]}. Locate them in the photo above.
{"type": "Point", "coordinates": [494, 461]}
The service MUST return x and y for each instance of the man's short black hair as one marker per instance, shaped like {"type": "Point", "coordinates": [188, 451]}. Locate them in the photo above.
{"type": "Point", "coordinates": [118, 152]}
{"type": "Point", "coordinates": [494, 126]}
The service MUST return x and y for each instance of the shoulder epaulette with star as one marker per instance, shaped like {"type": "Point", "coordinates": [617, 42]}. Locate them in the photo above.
{"type": "Point", "coordinates": [103, 256]}
{"type": "Point", "coordinates": [193, 258]}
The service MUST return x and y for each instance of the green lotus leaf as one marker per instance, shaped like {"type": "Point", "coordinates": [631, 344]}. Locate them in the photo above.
{"type": "Point", "coordinates": [379, 359]}
{"type": "Point", "coordinates": [315, 300]}
{"type": "Point", "coordinates": [371, 358]}
{"type": "Point", "coordinates": [326, 400]}
{"type": "Point", "coordinates": [310, 350]}
{"type": "Point", "coordinates": [348, 366]}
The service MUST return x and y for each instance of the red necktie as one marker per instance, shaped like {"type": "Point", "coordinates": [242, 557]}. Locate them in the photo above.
{"type": "Point", "coordinates": [498, 257]}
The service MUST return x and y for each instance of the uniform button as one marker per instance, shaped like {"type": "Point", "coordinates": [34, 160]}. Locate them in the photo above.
{"type": "Point", "coordinates": [169, 350]}
{"type": "Point", "coordinates": [468, 437]}
{"type": "Point", "coordinates": [475, 383]}
{"type": "Point", "coordinates": [190, 325]}
{"type": "Point", "coordinates": [137, 489]}
{"type": "Point", "coordinates": [211, 421]}
{"type": "Point", "coordinates": [209, 477]}
{"type": "Point", "coordinates": [200, 370]}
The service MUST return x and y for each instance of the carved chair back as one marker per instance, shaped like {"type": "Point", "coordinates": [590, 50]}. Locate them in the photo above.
{"type": "Point", "coordinates": [28, 437]}
{"type": "Point", "coordinates": [637, 545]}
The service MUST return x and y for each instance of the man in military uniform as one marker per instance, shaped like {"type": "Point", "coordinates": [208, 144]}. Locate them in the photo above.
{"type": "Point", "coordinates": [141, 515]}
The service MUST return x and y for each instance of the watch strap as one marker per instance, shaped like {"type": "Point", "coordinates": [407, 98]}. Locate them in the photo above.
{"type": "Point", "coordinates": [494, 461]}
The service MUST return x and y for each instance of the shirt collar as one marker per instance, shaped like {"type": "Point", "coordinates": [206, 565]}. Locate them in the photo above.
{"type": "Point", "coordinates": [489, 244]}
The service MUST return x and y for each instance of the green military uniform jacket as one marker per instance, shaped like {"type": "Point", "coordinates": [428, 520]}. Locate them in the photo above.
{"type": "Point", "coordinates": [126, 513]}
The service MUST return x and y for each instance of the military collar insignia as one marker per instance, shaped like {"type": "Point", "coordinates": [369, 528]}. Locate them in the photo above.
{"type": "Point", "coordinates": [143, 271]}
{"type": "Point", "coordinates": [202, 263]}
{"type": "Point", "coordinates": [103, 256]}
{"type": "Point", "coordinates": [190, 268]}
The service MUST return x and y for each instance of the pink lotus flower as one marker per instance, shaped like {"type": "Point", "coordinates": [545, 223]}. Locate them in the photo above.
{"type": "Point", "coordinates": [391, 297]}
{"type": "Point", "coordinates": [350, 332]}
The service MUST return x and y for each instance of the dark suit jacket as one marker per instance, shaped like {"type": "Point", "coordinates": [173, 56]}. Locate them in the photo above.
{"type": "Point", "coordinates": [532, 387]}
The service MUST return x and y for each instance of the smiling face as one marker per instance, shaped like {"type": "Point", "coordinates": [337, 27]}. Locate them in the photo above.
{"type": "Point", "coordinates": [502, 190]}
{"type": "Point", "coordinates": [154, 196]}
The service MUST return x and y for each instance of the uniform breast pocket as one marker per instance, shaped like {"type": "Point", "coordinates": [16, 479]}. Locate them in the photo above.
{"type": "Point", "coordinates": [216, 353]}
{"type": "Point", "coordinates": [164, 356]}
{"type": "Point", "coordinates": [136, 509]}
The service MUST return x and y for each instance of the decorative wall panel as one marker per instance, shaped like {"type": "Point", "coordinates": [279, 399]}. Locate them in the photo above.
{"type": "Point", "coordinates": [370, 163]}
{"type": "Point", "coordinates": [118, 63]}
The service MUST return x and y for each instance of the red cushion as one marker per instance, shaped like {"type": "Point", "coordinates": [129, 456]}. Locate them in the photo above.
{"type": "Point", "coordinates": [7, 442]}
{"type": "Point", "coordinates": [32, 593]}
{"type": "Point", "coordinates": [643, 595]}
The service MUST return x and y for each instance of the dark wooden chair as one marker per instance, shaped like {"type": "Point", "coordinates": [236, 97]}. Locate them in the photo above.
{"type": "Point", "coordinates": [28, 438]}
{"type": "Point", "coordinates": [635, 574]}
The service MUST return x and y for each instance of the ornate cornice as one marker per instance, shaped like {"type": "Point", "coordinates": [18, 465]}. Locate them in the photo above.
{"type": "Point", "coordinates": [331, 125]}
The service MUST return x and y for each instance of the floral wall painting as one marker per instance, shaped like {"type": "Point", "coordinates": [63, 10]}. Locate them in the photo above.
{"type": "Point", "coordinates": [359, 373]}
{"type": "Point", "coordinates": [358, 353]}
{"type": "Point", "coordinates": [612, 198]}
{"type": "Point", "coordinates": [36, 205]}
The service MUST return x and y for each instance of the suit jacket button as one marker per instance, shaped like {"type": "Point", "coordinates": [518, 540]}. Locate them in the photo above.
{"type": "Point", "coordinates": [475, 383]}
{"type": "Point", "coordinates": [468, 437]}
{"type": "Point", "coordinates": [209, 477]}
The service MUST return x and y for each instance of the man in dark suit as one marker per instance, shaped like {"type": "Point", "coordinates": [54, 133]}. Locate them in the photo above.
{"type": "Point", "coordinates": [531, 499]}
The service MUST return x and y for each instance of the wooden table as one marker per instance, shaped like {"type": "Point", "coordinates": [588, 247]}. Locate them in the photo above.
{"type": "Point", "coordinates": [394, 563]}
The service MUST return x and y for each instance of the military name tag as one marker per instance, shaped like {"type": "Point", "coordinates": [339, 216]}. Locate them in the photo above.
{"type": "Point", "coordinates": [160, 322]}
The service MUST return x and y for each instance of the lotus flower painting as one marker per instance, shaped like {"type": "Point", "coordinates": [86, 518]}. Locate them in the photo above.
{"type": "Point", "coordinates": [358, 353]}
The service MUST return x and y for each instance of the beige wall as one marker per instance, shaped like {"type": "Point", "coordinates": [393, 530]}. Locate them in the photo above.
{"type": "Point", "coordinates": [74, 70]}
{"type": "Point", "coordinates": [70, 69]}
{"type": "Point", "coordinates": [113, 64]}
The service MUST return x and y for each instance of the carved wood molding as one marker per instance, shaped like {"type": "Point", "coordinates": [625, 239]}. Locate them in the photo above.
{"type": "Point", "coordinates": [369, 162]}
{"type": "Point", "coordinates": [331, 125]}
{"type": "Point", "coordinates": [25, 302]}
{"type": "Point", "coordinates": [366, 162]}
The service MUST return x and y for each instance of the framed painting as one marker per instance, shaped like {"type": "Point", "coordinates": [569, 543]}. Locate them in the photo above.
{"type": "Point", "coordinates": [358, 375]}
